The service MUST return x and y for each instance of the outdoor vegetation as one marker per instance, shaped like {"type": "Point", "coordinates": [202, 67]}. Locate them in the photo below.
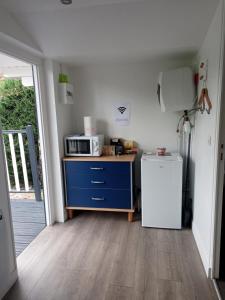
{"type": "Point", "coordinates": [17, 110]}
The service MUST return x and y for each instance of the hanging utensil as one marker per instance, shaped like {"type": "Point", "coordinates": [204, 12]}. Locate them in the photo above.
{"type": "Point", "coordinates": [204, 101]}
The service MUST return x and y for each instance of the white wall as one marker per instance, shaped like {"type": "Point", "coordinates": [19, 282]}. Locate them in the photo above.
{"type": "Point", "coordinates": [99, 86]}
{"type": "Point", "coordinates": [205, 145]}
{"type": "Point", "coordinates": [61, 123]}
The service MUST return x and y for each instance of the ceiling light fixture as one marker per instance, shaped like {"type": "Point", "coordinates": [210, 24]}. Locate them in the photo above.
{"type": "Point", "coordinates": [66, 2]}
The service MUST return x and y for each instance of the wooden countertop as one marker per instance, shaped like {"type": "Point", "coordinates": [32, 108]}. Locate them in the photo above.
{"type": "Point", "coordinates": [119, 158]}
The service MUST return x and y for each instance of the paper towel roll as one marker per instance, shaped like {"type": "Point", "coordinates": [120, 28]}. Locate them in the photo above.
{"type": "Point", "coordinates": [89, 126]}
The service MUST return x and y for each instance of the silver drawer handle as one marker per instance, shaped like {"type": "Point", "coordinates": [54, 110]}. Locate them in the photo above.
{"type": "Point", "coordinates": [95, 168]}
{"type": "Point", "coordinates": [97, 199]}
{"type": "Point", "coordinates": [97, 182]}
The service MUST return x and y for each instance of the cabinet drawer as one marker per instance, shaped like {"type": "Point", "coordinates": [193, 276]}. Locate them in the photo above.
{"type": "Point", "coordinates": [105, 198]}
{"type": "Point", "coordinates": [98, 175]}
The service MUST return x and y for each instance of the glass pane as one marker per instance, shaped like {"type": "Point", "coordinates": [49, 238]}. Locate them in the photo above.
{"type": "Point", "coordinates": [83, 146]}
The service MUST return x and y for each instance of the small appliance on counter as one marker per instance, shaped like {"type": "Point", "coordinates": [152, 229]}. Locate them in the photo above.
{"type": "Point", "coordinates": [115, 141]}
{"type": "Point", "coordinates": [119, 148]}
{"type": "Point", "coordinates": [81, 145]}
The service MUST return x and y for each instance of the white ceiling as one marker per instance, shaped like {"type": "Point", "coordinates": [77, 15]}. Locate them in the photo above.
{"type": "Point", "coordinates": [52, 5]}
{"type": "Point", "coordinates": [96, 30]}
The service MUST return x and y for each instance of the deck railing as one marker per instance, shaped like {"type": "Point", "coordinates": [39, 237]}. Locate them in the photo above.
{"type": "Point", "coordinates": [22, 135]}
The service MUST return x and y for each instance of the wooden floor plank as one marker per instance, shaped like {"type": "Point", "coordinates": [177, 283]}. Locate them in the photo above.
{"type": "Point", "coordinates": [123, 273]}
{"type": "Point", "coordinates": [116, 292]}
{"type": "Point", "coordinates": [196, 286]}
{"type": "Point", "coordinates": [100, 256]}
{"type": "Point", "coordinates": [170, 290]}
{"type": "Point", "coordinates": [169, 267]}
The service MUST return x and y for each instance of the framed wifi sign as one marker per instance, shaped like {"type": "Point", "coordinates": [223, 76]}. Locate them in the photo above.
{"type": "Point", "coordinates": [121, 113]}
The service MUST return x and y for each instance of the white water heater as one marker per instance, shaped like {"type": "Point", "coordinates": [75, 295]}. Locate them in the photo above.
{"type": "Point", "coordinates": [176, 91]}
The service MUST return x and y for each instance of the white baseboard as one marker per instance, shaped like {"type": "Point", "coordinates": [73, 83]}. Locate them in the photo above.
{"type": "Point", "coordinates": [201, 249]}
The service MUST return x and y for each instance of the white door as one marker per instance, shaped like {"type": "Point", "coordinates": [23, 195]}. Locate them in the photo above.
{"type": "Point", "coordinates": [8, 267]}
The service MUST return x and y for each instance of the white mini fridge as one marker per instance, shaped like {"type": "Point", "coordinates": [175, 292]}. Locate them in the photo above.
{"type": "Point", "coordinates": [161, 189]}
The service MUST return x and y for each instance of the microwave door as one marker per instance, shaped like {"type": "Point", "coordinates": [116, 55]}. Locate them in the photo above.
{"type": "Point", "coordinates": [75, 149]}
{"type": "Point", "coordinates": [84, 147]}
{"type": "Point", "coordinates": [72, 147]}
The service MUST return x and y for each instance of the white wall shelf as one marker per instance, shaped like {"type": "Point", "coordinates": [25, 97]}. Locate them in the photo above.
{"type": "Point", "coordinates": [66, 93]}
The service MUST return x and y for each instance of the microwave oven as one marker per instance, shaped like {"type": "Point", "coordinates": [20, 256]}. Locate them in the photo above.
{"type": "Point", "coordinates": [80, 145]}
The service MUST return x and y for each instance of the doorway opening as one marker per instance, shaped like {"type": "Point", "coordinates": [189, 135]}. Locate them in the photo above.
{"type": "Point", "coordinates": [21, 141]}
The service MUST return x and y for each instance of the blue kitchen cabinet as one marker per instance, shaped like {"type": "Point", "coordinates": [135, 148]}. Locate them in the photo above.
{"type": "Point", "coordinates": [99, 183]}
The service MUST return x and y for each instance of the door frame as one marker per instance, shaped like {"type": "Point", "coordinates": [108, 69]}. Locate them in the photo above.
{"type": "Point", "coordinates": [42, 119]}
{"type": "Point", "coordinates": [35, 58]}
{"type": "Point", "coordinates": [219, 191]}
{"type": "Point", "coordinates": [13, 274]}
{"type": "Point", "coordinates": [219, 163]}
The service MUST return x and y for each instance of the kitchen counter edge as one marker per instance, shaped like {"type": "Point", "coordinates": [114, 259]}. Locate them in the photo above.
{"type": "Point", "coordinates": [119, 158]}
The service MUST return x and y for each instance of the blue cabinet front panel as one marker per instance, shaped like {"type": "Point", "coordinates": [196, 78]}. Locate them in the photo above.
{"type": "Point", "coordinates": [98, 175]}
{"type": "Point", "coordinates": [93, 167]}
{"type": "Point", "coordinates": [98, 184]}
{"type": "Point", "coordinates": [99, 198]}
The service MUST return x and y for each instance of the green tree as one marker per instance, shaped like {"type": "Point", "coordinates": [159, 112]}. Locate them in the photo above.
{"type": "Point", "coordinates": [17, 110]}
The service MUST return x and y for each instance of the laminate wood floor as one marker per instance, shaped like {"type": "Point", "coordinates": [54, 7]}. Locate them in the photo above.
{"type": "Point", "coordinates": [100, 256]}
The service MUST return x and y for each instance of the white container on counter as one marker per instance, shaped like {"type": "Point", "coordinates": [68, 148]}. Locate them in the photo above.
{"type": "Point", "coordinates": [89, 126]}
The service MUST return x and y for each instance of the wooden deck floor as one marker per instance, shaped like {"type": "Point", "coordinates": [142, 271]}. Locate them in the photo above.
{"type": "Point", "coordinates": [101, 256]}
{"type": "Point", "coordinates": [28, 221]}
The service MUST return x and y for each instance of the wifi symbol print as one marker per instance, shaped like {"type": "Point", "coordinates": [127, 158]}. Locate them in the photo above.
{"type": "Point", "coordinates": [121, 109]}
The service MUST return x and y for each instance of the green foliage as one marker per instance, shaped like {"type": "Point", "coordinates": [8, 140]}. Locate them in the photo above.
{"type": "Point", "coordinates": [17, 110]}
{"type": "Point", "coordinates": [63, 78]}
{"type": "Point", "coordinates": [17, 105]}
